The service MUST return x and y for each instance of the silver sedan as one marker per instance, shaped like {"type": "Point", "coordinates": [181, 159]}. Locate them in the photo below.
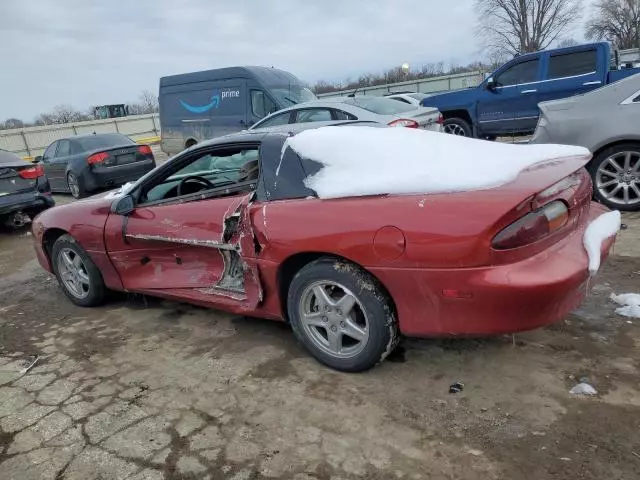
{"type": "Point", "coordinates": [364, 108]}
{"type": "Point", "coordinates": [607, 122]}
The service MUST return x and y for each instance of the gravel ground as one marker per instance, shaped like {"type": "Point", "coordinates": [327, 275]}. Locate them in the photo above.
{"type": "Point", "coordinates": [150, 389]}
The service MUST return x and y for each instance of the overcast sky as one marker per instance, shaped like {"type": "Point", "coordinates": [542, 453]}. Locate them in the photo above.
{"type": "Point", "coordinates": [92, 52]}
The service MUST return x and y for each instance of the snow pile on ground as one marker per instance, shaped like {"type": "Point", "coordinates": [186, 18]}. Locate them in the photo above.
{"type": "Point", "coordinates": [630, 304]}
{"type": "Point", "coordinates": [363, 160]}
{"type": "Point", "coordinates": [603, 227]}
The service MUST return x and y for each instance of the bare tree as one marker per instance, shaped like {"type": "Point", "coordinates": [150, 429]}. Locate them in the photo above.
{"type": "Point", "coordinates": [12, 123]}
{"type": "Point", "coordinates": [521, 26]}
{"type": "Point", "coordinates": [567, 42]}
{"type": "Point", "coordinates": [61, 114]}
{"type": "Point", "coordinates": [149, 101]}
{"type": "Point", "coordinates": [617, 21]}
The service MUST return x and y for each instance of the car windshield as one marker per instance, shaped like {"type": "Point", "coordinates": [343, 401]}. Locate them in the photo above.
{"type": "Point", "coordinates": [381, 106]}
{"type": "Point", "coordinates": [104, 141]}
{"type": "Point", "coordinates": [418, 96]}
{"type": "Point", "coordinates": [291, 94]}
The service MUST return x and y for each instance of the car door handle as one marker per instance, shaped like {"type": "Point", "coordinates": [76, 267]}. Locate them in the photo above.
{"type": "Point", "coordinates": [591, 83]}
{"type": "Point", "coordinates": [528, 91]}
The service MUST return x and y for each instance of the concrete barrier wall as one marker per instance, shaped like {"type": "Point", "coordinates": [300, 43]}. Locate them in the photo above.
{"type": "Point", "coordinates": [426, 85]}
{"type": "Point", "coordinates": [32, 141]}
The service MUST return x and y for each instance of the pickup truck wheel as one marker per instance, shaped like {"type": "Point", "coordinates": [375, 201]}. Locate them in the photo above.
{"type": "Point", "coordinates": [616, 177]}
{"type": "Point", "coordinates": [457, 126]}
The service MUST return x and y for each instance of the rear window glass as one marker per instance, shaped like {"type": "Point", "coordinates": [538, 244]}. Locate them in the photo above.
{"type": "Point", "coordinates": [381, 106]}
{"type": "Point", "coordinates": [104, 141]}
{"type": "Point", "coordinates": [571, 64]}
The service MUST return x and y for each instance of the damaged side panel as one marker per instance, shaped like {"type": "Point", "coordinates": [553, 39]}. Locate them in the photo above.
{"type": "Point", "coordinates": [199, 246]}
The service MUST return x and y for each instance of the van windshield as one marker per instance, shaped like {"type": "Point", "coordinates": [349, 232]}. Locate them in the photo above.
{"type": "Point", "coordinates": [292, 94]}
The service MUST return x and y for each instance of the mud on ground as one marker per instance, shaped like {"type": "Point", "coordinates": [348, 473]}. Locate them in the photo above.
{"type": "Point", "coordinates": [148, 389]}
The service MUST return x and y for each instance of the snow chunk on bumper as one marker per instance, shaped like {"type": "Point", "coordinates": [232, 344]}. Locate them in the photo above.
{"type": "Point", "coordinates": [603, 227]}
{"type": "Point", "coordinates": [362, 160]}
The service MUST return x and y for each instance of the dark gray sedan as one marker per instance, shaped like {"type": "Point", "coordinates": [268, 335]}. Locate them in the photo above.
{"type": "Point", "coordinates": [607, 122]}
{"type": "Point", "coordinates": [86, 163]}
{"type": "Point", "coordinates": [24, 190]}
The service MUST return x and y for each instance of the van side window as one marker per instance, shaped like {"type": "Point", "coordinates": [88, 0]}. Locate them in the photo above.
{"type": "Point", "coordinates": [523, 72]}
{"type": "Point", "coordinates": [261, 105]}
{"type": "Point", "coordinates": [572, 64]}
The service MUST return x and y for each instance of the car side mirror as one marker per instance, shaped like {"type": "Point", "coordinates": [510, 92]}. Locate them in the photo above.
{"type": "Point", "coordinates": [491, 83]}
{"type": "Point", "coordinates": [123, 206]}
{"type": "Point", "coordinates": [38, 159]}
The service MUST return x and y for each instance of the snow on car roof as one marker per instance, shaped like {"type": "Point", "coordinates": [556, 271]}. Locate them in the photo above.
{"type": "Point", "coordinates": [362, 160]}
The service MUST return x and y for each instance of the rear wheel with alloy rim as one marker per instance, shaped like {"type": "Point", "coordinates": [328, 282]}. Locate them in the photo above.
{"type": "Point", "coordinates": [616, 177]}
{"type": "Point", "coordinates": [341, 315]}
{"type": "Point", "coordinates": [75, 186]}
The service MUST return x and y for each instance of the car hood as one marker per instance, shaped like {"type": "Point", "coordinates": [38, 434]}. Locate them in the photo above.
{"type": "Point", "coordinates": [450, 99]}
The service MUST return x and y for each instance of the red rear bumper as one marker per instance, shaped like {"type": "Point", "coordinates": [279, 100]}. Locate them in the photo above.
{"type": "Point", "coordinates": [497, 299]}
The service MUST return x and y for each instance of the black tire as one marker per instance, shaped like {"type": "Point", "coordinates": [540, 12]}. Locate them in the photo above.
{"type": "Point", "coordinates": [371, 299]}
{"type": "Point", "coordinates": [453, 125]}
{"type": "Point", "coordinates": [600, 160]}
{"type": "Point", "coordinates": [190, 143]}
{"type": "Point", "coordinates": [96, 291]}
{"type": "Point", "coordinates": [78, 193]}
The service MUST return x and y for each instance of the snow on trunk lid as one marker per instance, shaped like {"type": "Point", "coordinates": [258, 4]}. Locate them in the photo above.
{"type": "Point", "coordinates": [360, 160]}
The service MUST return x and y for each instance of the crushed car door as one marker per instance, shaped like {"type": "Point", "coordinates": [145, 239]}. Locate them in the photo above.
{"type": "Point", "coordinates": [199, 249]}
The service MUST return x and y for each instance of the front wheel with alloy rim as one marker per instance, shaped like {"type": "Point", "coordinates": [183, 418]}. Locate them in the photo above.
{"type": "Point", "coordinates": [457, 126]}
{"type": "Point", "coordinates": [75, 185]}
{"type": "Point", "coordinates": [341, 315]}
{"type": "Point", "coordinates": [616, 177]}
{"type": "Point", "coordinates": [78, 276]}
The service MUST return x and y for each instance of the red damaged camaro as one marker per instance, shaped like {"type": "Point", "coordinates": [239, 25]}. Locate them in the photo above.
{"type": "Point", "coordinates": [267, 224]}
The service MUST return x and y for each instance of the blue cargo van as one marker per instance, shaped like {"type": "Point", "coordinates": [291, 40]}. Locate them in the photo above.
{"type": "Point", "coordinates": [202, 105]}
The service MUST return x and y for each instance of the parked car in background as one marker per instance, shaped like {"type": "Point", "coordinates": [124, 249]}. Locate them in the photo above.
{"type": "Point", "coordinates": [223, 225]}
{"type": "Point", "coordinates": [202, 105]}
{"type": "Point", "coordinates": [373, 109]}
{"type": "Point", "coordinates": [24, 190]}
{"type": "Point", "coordinates": [411, 98]}
{"type": "Point", "coordinates": [86, 163]}
{"type": "Point", "coordinates": [506, 102]}
{"type": "Point", "coordinates": [607, 122]}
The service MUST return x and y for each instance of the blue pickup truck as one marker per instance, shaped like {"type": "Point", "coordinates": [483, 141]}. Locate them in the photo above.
{"type": "Point", "coordinates": [506, 102]}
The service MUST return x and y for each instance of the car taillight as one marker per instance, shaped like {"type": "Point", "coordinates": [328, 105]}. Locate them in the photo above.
{"type": "Point", "coordinates": [32, 172]}
{"type": "Point", "coordinates": [97, 158]}
{"type": "Point", "coordinates": [145, 149]}
{"type": "Point", "coordinates": [404, 122]}
{"type": "Point", "coordinates": [533, 226]}
{"type": "Point", "coordinates": [440, 120]}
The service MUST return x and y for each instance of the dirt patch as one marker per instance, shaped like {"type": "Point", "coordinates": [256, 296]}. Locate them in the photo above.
{"type": "Point", "coordinates": [145, 388]}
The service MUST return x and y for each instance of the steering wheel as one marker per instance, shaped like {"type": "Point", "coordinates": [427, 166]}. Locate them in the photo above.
{"type": "Point", "coordinates": [194, 178]}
